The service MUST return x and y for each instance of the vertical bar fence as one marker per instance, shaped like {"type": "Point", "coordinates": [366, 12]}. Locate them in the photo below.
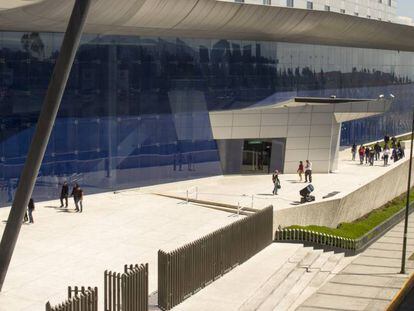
{"type": "Point", "coordinates": [79, 299]}
{"type": "Point", "coordinates": [122, 292]}
{"type": "Point", "coordinates": [186, 270]}
{"type": "Point", "coordinates": [127, 291]}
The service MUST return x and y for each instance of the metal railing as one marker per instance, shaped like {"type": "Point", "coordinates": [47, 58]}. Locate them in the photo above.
{"type": "Point", "coordinates": [127, 291]}
{"type": "Point", "coordinates": [347, 245]}
{"type": "Point", "coordinates": [189, 192]}
{"type": "Point", "coordinates": [186, 270]}
{"type": "Point", "coordinates": [79, 299]}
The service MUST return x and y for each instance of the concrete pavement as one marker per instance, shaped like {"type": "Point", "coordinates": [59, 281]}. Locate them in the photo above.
{"type": "Point", "coordinates": [64, 248]}
{"type": "Point", "coordinates": [371, 280]}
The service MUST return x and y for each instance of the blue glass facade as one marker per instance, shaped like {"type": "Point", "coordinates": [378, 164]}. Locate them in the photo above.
{"type": "Point", "coordinates": [135, 111]}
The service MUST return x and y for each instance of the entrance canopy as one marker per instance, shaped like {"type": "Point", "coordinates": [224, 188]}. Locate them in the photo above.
{"type": "Point", "coordinates": [311, 126]}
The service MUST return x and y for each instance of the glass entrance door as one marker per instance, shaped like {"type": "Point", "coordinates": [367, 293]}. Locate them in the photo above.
{"type": "Point", "coordinates": [256, 156]}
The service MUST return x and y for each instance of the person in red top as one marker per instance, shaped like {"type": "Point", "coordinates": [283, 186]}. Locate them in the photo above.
{"type": "Point", "coordinates": [361, 152]}
{"type": "Point", "coordinates": [300, 170]}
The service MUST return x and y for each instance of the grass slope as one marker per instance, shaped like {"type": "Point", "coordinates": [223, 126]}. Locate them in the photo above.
{"type": "Point", "coordinates": [359, 227]}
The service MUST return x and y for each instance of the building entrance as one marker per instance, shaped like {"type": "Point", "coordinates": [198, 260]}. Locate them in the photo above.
{"type": "Point", "coordinates": [256, 156]}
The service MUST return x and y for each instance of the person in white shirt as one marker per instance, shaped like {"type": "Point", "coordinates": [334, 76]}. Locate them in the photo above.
{"type": "Point", "coordinates": [308, 171]}
{"type": "Point", "coordinates": [386, 155]}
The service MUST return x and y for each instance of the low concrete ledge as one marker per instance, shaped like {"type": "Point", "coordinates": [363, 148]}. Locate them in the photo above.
{"type": "Point", "coordinates": [334, 243]}
{"type": "Point", "coordinates": [354, 205]}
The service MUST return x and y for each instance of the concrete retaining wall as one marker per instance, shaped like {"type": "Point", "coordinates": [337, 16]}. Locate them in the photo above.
{"type": "Point", "coordinates": [350, 207]}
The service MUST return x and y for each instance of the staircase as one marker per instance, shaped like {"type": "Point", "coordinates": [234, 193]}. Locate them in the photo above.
{"type": "Point", "coordinates": [296, 280]}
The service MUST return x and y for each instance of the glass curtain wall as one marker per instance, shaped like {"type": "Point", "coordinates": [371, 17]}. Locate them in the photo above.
{"type": "Point", "coordinates": [135, 110]}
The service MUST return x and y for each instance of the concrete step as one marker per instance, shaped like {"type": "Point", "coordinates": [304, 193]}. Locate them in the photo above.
{"type": "Point", "coordinates": [298, 278]}
{"type": "Point", "coordinates": [300, 254]}
{"type": "Point", "coordinates": [322, 259]}
{"type": "Point", "coordinates": [295, 277]}
{"type": "Point", "coordinates": [277, 295]}
{"type": "Point", "coordinates": [302, 284]}
{"type": "Point", "coordinates": [333, 264]}
{"type": "Point", "coordinates": [274, 281]}
{"type": "Point", "coordinates": [310, 258]}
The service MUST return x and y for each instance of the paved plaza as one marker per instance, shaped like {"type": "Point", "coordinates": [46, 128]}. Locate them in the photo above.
{"type": "Point", "coordinates": [234, 189]}
{"type": "Point", "coordinates": [65, 248]}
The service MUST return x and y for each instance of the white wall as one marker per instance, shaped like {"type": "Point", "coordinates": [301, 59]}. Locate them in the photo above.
{"type": "Point", "coordinates": [311, 132]}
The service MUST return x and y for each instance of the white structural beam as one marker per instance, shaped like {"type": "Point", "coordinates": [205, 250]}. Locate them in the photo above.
{"type": "Point", "coordinates": [212, 19]}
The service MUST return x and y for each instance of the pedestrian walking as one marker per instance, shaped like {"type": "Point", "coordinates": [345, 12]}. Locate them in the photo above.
{"type": "Point", "coordinates": [393, 142]}
{"type": "Point", "coordinates": [276, 182]}
{"type": "Point", "coordinates": [401, 152]}
{"type": "Point", "coordinates": [80, 197]}
{"type": "Point", "coordinates": [300, 170]}
{"type": "Point", "coordinates": [367, 151]}
{"type": "Point", "coordinates": [386, 139]}
{"type": "Point", "coordinates": [76, 196]}
{"type": "Point", "coordinates": [308, 171]}
{"type": "Point", "coordinates": [394, 155]}
{"type": "Point", "coordinates": [378, 150]}
{"type": "Point", "coordinates": [64, 193]}
{"type": "Point", "coordinates": [361, 153]}
{"type": "Point", "coordinates": [31, 208]}
{"type": "Point", "coordinates": [26, 217]}
{"type": "Point", "coordinates": [353, 151]}
{"type": "Point", "coordinates": [371, 156]}
{"type": "Point", "coordinates": [386, 155]}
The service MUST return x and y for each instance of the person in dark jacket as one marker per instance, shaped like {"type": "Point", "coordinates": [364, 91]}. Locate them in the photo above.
{"type": "Point", "coordinates": [395, 155]}
{"type": "Point", "coordinates": [367, 151]}
{"type": "Point", "coordinates": [64, 194]}
{"type": "Point", "coordinates": [31, 208]}
{"type": "Point", "coordinates": [378, 150]}
{"type": "Point", "coordinates": [386, 139]}
{"type": "Point", "coordinates": [77, 194]}
{"type": "Point", "coordinates": [371, 156]}
{"type": "Point", "coordinates": [74, 195]}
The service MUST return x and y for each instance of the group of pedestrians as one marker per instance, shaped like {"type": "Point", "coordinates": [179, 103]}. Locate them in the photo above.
{"type": "Point", "coordinates": [307, 170]}
{"type": "Point", "coordinates": [77, 194]}
{"type": "Point", "coordinates": [302, 169]}
{"type": "Point", "coordinates": [369, 154]}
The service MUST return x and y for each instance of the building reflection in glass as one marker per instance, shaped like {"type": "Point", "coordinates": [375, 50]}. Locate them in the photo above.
{"type": "Point", "coordinates": [135, 111]}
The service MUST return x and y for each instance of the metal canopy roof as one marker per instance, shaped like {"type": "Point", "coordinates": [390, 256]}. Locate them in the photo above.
{"type": "Point", "coordinates": [329, 100]}
{"type": "Point", "coordinates": [326, 101]}
{"type": "Point", "coordinates": [211, 19]}
{"type": "Point", "coordinates": [344, 109]}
